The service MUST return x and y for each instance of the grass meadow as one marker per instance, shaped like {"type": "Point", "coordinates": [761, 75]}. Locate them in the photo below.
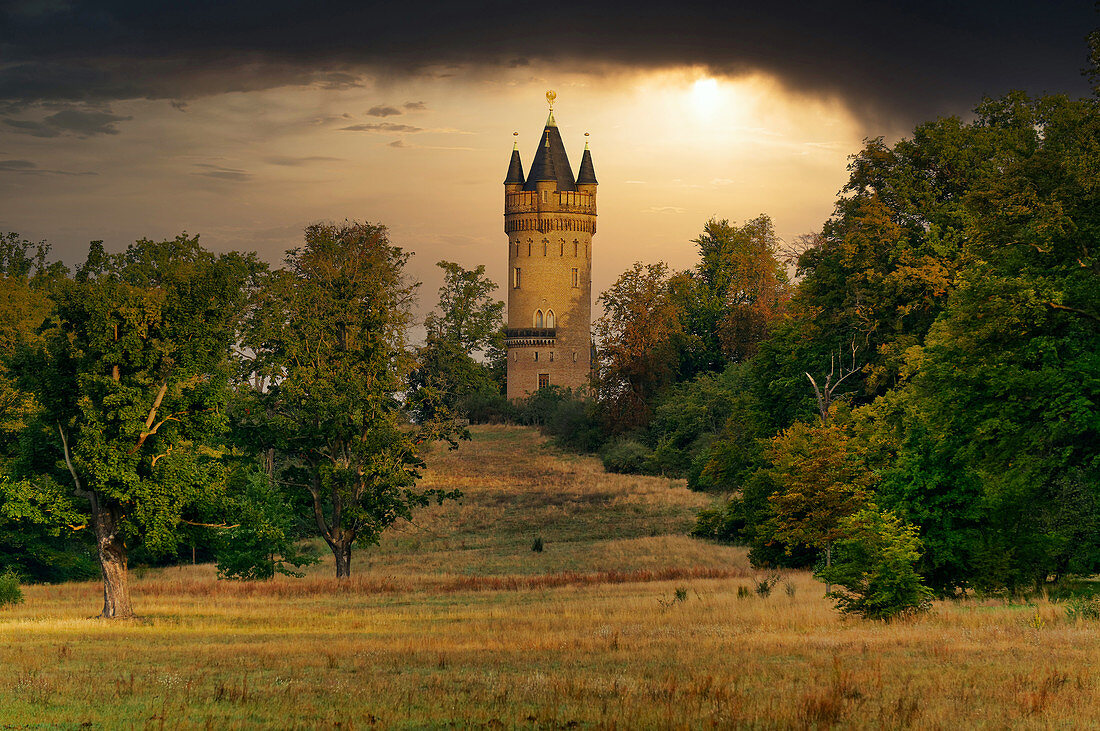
{"type": "Point", "coordinates": [620, 622]}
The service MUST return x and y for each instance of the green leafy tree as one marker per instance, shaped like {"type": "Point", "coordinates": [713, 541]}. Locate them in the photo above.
{"type": "Point", "coordinates": [875, 567]}
{"type": "Point", "coordinates": [31, 544]}
{"type": "Point", "coordinates": [469, 324]}
{"type": "Point", "coordinates": [822, 478]}
{"type": "Point", "coordinates": [42, 530]}
{"type": "Point", "coordinates": [962, 264]}
{"type": "Point", "coordinates": [132, 381]}
{"type": "Point", "coordinates": [329, 336]}
{"type": "Point", "coordinates": [736, 292]}
{"type": "Point", "coordinates": [262, 540]}
{"type": "Point", "coordinates": [708, 429]}
{"type": "Point", "coordinates": [468, 315]}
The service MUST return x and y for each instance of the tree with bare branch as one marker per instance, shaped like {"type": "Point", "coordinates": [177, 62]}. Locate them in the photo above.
{"type": "Point", "coordinates": [826, 393]}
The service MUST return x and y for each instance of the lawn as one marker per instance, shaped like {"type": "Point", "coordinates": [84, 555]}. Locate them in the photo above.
{"type": "Point", "coordinates": [621, 621]}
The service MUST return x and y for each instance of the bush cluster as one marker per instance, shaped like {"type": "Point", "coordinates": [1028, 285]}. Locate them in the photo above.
{"type": "Point", "coordinates": [10, 593]}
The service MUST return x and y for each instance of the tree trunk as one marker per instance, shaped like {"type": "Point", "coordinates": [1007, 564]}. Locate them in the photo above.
{"type": "Point", "coordinates": [342, 552]}
{"type": "Point", "coordinates": [112, 561]}
{"type": "Point", "coordinates": [828, 563]}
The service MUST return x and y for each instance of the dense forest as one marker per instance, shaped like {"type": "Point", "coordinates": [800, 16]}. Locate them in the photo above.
{"type": "Point", "coordinates": [906, 400]}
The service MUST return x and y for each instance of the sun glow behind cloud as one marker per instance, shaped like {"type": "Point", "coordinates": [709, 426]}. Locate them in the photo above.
{"type": "Point", "coordinates": [706, 96]}
{"type": "Point", "coordinates": [250, 169]}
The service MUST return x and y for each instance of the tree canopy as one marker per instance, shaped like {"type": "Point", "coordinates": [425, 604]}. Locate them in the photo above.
{"type": "Point", "coordinates": [329, 332]}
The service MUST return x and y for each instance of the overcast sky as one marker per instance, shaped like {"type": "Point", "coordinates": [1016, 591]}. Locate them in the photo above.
{"type": "Point", "coordinates": [244, 122]}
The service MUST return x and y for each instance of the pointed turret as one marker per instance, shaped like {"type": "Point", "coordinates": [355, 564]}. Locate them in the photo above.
{"type": "Point", "coordinates": [542, 167]}
{"type": "Point", "coordinates": [515, 168]}
{"type": "Point", "coordinates": [587, 174]}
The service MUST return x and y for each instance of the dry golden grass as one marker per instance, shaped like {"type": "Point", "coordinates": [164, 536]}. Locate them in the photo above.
{"type": "Point", "coordinates": [457, 623]}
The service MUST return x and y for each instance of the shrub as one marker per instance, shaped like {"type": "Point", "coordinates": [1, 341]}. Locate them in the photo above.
{"type": "Point", "coordinates": [1085, 608]}
{"type": "Point", "coordinates": [626, 456]}
{"type": "Point", "coordinates": [748, 519]}
{"type": "Point", "coordinates": [538, 408]}
{"type": "Point", "coordinates": [10, 593]}
{"type": "Point", "coordinates": [488, 408]}
{"type": "Point", "coordinates": [723, 522]}
{"type": "Point", "coordinates": [873, 567]}
{"type": "Point", "coordinates": [575, 424]}
{"type": "Point", "coordinates": [764, 586]}
{"type": "Point", "coordinates": [537, 545]}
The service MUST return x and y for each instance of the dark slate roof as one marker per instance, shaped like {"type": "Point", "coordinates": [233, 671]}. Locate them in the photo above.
{"type": "Point", "coordinates": [515, 169]}
{"type": "Point", "coordinates": [587, 174]}
{"type": "Point", "coordinates": [551, 162]}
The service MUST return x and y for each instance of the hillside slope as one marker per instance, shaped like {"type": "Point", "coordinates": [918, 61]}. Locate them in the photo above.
{"type": "Point", "coordinates": [518, 487]}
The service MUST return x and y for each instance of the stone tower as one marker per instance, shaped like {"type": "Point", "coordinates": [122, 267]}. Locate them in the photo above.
{"type": "Point", "coordinates": [550, 218]}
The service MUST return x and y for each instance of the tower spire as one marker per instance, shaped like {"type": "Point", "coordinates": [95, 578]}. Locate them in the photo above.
{"type": "Point", "coordinates": [551, 164]}
{"type": "Point", "coordinates": [587, 174]}
{"type": "Point", "coordinates": [515, 165]}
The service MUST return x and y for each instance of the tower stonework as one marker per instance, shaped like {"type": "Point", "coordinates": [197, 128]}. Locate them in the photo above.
{"type": "Point", "coordinates": [549, 218]}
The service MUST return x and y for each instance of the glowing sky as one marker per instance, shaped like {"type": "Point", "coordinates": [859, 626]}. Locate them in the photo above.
{"type": "Point", "coordinates": [246, 149]}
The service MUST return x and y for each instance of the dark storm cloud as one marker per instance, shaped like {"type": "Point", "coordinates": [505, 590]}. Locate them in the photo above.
{"type": "Point", "coordinates": [898, 58]}
{"type": "Point", "coordinates": [26, 167]}
{"type": "Point", "coordinates": [69, 121]}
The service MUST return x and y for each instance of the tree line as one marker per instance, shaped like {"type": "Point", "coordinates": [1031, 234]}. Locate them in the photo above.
{"type": "Point", "coordinates": [167, 396]}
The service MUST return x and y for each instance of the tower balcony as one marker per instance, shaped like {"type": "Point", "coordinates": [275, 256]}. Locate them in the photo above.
{"type": "Point", "coordinates": [564, 201]}
{"type": "Point", "coordinates": [526, 337]}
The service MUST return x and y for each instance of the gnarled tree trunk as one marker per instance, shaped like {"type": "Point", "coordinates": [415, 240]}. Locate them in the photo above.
{"type": "Point", "coordinates": [112, 561]}
{"type": "Point", "coordinates": [342, 552]}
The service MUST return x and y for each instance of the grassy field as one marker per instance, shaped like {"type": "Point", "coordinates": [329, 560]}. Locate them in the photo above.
{"type": "Point", "coordinates": [456, 622]}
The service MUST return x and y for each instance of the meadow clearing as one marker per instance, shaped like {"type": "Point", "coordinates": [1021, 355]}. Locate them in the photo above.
{"type": "Point", "coordinates": [622, 621]}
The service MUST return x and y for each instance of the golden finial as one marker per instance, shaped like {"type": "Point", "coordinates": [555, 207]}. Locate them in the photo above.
{"type": "Point", "coordinates": [586, 140]}
{"type": "Point", "coordinates": [515, 143]}
{"type": "Point", "coordinates": [550, 97]}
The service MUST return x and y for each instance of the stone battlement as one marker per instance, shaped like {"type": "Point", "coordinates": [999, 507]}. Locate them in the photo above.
{"type": "Point", "coordinates": [547, 201]}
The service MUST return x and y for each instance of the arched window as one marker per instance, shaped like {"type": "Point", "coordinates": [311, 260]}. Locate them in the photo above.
{"type": "Point", "coordinates": [544, 244]}
{"type": "Point", "coordinates": [550, 318]}
{"type": "Point", "coordinates": [538, 318]}
{"type": "Point", "coordinates": [561, 244]}
{"type": "Point", "coordinates": [574, 248]}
